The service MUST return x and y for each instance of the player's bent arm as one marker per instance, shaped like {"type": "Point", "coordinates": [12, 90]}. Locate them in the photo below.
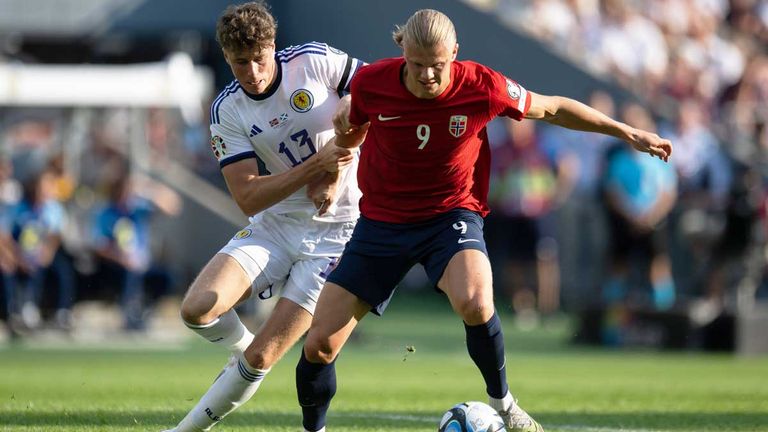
{"type": "Point", "coordinates": [572, 114]}
{"type": "Point", "coordinates": [348, 135]}
{"type": "Point", "coordinates": [254, 193]}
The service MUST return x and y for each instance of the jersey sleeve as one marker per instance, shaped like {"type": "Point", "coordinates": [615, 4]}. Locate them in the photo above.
{"type": "Point", "coordinates": [336, 68]}
{"type": "Point", "coordinates": [228, 142]}
{"type": "Point", "coordinates": [357, 115]}
{"type": "Point", "coordinates": [508, 98]}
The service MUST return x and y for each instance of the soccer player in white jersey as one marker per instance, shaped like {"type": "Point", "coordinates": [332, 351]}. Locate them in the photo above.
{"type": "Point", "coordinates": [270, 131]}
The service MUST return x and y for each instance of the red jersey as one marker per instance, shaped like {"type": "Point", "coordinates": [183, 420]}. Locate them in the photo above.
{"type": "Point", "coordinates": [424, 157]}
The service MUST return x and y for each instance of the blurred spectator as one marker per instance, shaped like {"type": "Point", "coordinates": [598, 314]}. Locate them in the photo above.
{"type": "Point", "coordinates": [37, 223]}
{"type": "Point", "coordinates": [10, 194]}
{"type": "Point", "coordinates": [738, 244]}
{"type": "Point", "coordinates": [581, 221]}
{"type": "Point", "coordinates": [106, 147]}
{"type": "Point", "coordinates": [10, 189]}
{"type": "Point", "coordinates": [122, 242]}
{"type": "Point", "coordinates": [639, 194]}
{"type": "Point", "coordinates": [750, 17]}
{"type": "Point", "coordinates": [63, 183]}
{"type": "Point", "coordinates": [716, 61]}
{"type": "Point", "coordinates": [704, 177]}
{"type": "Point", "coordinates": [7, 270]}
{"type": "Point", "coordinates": [524, 190]}
{"type": "Point", "coordinates": [633, 48]}
{"type": "Point", "coordinates": [732, 248]}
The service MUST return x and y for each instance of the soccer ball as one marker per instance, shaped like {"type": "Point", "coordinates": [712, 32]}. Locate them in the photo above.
{"type": "Point", "coordinates": [471, 417]}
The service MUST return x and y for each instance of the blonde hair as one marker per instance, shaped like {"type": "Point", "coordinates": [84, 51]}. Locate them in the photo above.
{"type": "Point", "coordinates": [426, 28]}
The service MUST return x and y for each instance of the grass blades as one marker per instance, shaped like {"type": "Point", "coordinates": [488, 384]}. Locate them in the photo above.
{"type": "Point", "coordinates": [385, 386]}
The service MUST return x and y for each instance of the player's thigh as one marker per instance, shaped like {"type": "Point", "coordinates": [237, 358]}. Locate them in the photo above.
{"type": "Point", "coordinates": [252, 261]}
{"type": "Point", "coordinates": [457, 263]}
{"type": "Point", "coordinates": [220, 285]}
{"type": "Point", "coordinates": [306, 280]}
{"type": "Point", "coordinates": [468, 283]}
{"type": "Point", "coordinates": [285, 325]}
{"type": "Point", "coordinates": [336, 316]}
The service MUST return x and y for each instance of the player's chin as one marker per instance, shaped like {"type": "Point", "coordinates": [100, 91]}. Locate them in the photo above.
{"type": "Point", "coordinates": [257, 88]}
{"type": "Point", "coordinates": [429, 94]}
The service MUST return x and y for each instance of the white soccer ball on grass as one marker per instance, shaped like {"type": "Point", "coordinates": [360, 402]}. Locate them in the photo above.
{"type": "Point", "coordinates": [471, 417]}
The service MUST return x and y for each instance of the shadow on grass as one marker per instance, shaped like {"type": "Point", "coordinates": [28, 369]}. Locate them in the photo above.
{"type": "Point", "coordinates": [553, 421]}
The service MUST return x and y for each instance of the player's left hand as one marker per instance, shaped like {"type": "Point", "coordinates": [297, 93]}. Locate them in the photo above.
{"type": "Point", "coordinates": [649, 142]}
{"type": "Point", "coordinates": [353, 137]}
{"type": "Point", "coordinates": [322, 192]}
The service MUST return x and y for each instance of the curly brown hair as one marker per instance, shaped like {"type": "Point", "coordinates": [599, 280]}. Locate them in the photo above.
{"type": "Point", "coordinates": [246, 26]}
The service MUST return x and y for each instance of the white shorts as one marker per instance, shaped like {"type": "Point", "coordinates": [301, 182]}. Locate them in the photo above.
{"type": "Point", "coordinates": [291, 252]}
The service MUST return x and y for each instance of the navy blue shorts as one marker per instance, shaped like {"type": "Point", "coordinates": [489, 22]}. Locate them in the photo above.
{"type": "Point", "coordinates": [379, 254]}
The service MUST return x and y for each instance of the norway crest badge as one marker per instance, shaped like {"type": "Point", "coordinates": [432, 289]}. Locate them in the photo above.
{"type": "Point", "coordinates": [457, 125]}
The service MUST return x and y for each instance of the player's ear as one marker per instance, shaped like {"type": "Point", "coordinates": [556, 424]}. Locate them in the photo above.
{"type": "Point", "coordinates": [455, 51]}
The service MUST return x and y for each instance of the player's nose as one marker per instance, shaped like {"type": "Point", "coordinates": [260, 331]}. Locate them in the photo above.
{"type": "Point", "coordinates": [254, 70]}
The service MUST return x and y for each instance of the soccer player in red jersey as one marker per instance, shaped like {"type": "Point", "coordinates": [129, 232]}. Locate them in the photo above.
{"type": "Point", "coordinates": [424, 172]}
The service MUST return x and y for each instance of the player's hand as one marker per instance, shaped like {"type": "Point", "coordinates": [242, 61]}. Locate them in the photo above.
{"type": "Point", "coordinates": [353, 137]}
{"type": "Point", "coordinates": [652, 144]}
{"type": "Point", "coordinates": [333, 158]}
{"type": "Point", "coordinates": [322, 192]}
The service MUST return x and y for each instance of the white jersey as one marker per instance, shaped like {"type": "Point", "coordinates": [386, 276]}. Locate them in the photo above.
{"type": "Point", "coordinates": [290, 123]}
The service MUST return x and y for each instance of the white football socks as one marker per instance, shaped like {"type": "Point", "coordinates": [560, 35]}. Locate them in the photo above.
{"type": "Point", "coordinates": [233, 388]}
{"type": "Point", "coordinates": [226, 330]}
{"type": "Point", "coordinates": [502, 404]}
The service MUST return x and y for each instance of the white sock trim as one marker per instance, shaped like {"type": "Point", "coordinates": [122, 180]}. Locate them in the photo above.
{"type": "Point", "coordinates": [249, 373]}
{"type": "Point", "coordinates": [502, 404]}
{"type": "Point", "coordinates": [226, 330]}
{"type": "Point", "coordinates": [200, 326]}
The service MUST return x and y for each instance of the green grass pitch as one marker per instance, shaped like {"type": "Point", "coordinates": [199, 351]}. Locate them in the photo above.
{"type": "Point", "coordinates": [384, 387]}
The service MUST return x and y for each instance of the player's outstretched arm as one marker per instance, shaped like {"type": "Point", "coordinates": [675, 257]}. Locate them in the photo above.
{"type": "Point", "coordinates": [572, 114]}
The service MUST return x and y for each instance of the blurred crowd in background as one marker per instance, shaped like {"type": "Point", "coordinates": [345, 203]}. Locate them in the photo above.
{"type": "Point", "coordinates": [624, 228]}
{"type": "Point", "coordinates": [82, 229]}
{"type": "Point", "coordinates": [578, 219]}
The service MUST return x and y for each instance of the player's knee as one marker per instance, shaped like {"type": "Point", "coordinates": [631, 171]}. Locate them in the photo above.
{"type": "Point", "coordinates": [476, 309]}
{"type": "Point", "coordinates": [195, 310]}
{"type": "Point", "coordinates": [319, 351]}
{"type": "Point", "coordinates": [259, 359]}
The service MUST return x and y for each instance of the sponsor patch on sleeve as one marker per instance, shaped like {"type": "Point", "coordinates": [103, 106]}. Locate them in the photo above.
{"type": "Point", "coordinates": [218, 146]}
